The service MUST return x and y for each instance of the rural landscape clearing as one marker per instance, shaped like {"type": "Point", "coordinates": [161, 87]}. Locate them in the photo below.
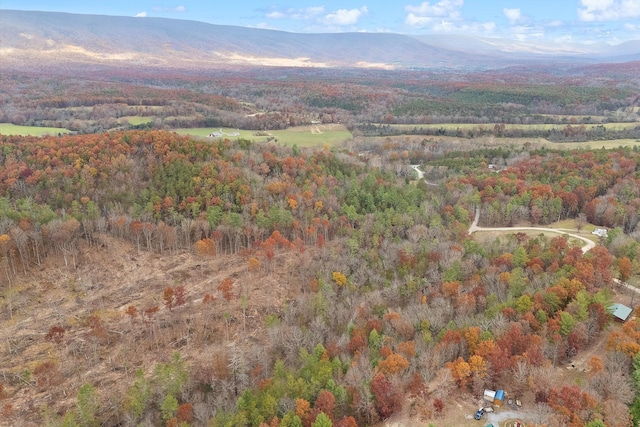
{"type": "Point", "coordinates": [219, 225]}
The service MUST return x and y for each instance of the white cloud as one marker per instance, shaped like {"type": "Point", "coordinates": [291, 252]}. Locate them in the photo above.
{"type": "Point", "coordinates": [513, 15]}
{"type": "Point", "coordinates": [314, 10]}
{"type": "Point", "coordinates": [439, 14]}
{"type": "Point", "coordinates": [345, 17]}
{"type": "Point", "coordinates": [418, 21]}
{"type": "Point", "coordinates": [608, 10]}
{"type": "Point", "coordinates": [317, 18]}
{"type": "Point", "coordinates": [444, 8]}
{"type": "Point", "coordinates": [180, 9]}
{"type": "Point", "coordinates": [140, 15]}
{"type": "Point", "coordinates": [632, 27]}
{"type": "Point", "coordinates": [275, 15]}
{"type": "Point", "coordinates": [304, 14]}
{"type": "Point", "coordinates": [444, 16]}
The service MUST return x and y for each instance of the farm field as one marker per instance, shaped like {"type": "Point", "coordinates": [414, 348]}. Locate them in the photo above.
{"type": "Point", "coordinates": [135, 120]}
{"type": "Point", "coordinates": [592, 145]}
{"type": "Point", "coordinates": [492, 141]}
{"type": "Point", "coordinates": [11, 129]}
{"type": "Point", "coordinates": [302, 136]}
{"type": "Point", "coordinates": [489, 126]}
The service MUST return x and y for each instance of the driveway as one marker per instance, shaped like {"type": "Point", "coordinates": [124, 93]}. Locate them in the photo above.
{"type": "Point", "coordinates": [589, 244]}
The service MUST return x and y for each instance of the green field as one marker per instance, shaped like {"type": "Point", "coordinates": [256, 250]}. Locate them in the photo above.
{"type": "Point", "coordinates": [11, 129]}
{"type": "Point", "coordinates": [491, 141]}
{"type": "Point", "coordinates": [489, 126]}
{"type": "Point", "coordinates": [302, 136]}
{"type": "Point", "coordinates": [593, 145]}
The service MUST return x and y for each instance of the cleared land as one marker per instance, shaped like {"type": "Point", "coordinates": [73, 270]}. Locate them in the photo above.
{"type": "Point", "coordinates": [11, 129]}
{"type": "Point", "coordinates": [302, 136]}
{"type": "Point", "coordinates": [539, 127]}
{"type": "Point", "coordinates": [136, 120]}
{"type": "Point", "coordinates": [492, 141]}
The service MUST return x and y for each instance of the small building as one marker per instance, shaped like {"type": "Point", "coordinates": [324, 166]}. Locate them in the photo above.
{"type": "Point", "coordinates": [620, 312]}
{"type": "Point", "coordinates": [489, 395]}
{"type": "Point", "coordinates": [600, 232]}
{"type": "Point", "coordinates": [499, 398]}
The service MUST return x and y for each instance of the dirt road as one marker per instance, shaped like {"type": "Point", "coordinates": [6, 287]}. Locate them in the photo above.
{"type": "Point", "coordinates": [589, 244]}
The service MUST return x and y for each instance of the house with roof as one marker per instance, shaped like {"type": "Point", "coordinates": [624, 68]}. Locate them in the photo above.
{"type": "Point", "coordinates": [620, 312]}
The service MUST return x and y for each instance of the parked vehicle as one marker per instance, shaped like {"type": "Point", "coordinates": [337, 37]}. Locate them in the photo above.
{"type": "Point", "coordinates": [479, 414]}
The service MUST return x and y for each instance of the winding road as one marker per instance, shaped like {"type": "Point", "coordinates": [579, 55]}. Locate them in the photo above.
{"type": "Point", "coordinates": [589, 244]}
{"type": "Point", "coordinates": [421, 176]}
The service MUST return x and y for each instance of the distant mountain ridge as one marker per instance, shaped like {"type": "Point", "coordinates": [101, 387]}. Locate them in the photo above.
{"type": "Point", "coordinates": [28, 37]}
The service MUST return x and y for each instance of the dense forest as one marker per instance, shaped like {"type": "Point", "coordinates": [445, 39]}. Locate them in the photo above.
{"type": "Point", "coordinates": [325, 286]}
{"type": "Point", "coordinates": [279, 98]}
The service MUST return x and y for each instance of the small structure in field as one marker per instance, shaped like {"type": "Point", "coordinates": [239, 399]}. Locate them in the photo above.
{"type": "Point", "coordinates": [620, 312]}
{"type": "Point", "coordinates": [221, 133]}
{"type": "Point", "coordinates": [600, 232]}
{"type": "Point", "coordinates": [499, 398]}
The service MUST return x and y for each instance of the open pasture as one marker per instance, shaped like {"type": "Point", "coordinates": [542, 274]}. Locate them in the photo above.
{"type": "Point", "coordinates": [11, 129]}
{"type": "Point", "coordinates": [492, 141]}
{"type": "Point", "coordinates": [524, 127]}
{"type": "Point", "coordinates": [135, 120]}
{"type": "Point", "coordinates": [302, 136]}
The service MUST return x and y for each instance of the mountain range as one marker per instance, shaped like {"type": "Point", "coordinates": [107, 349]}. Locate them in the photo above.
{"type": "Point", "coordinates": [31, 38]}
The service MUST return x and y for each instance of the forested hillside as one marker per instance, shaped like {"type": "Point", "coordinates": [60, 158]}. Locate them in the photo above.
{"type": "Point", "coordinates": [318, 247]}
{"type": "Point", "coordinates": [257, 284]}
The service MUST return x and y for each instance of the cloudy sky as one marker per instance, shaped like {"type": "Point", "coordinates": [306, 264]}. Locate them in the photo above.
{"type": "Point", "coordinates": [610, 21]}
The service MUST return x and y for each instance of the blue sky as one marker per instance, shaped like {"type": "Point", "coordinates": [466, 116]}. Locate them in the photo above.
{"type": "Point", "coordinates": [612, 21]}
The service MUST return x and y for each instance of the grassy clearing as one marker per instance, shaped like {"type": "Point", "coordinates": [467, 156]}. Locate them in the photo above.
{"type": "Point", "coordinates": [486, 236]}
{"type": "Point", "coordinates": [11, 129]}
{"type": "Point", "coordinates": [204, 132]}
{"type": "Point", "coordinates": [578, 118]}
{"type": "Point", "coordinates": [492, 141]}
{"type": "Point", "coordinates": [489, 126]}
{"type": "Point", "coordinates": [570, 224]}
{"type": "Point", "coordinates": [593, 145]}
{"type": "Point", "coordinates": [135, 120]}
{"type": "Point", "coordinates": [302, 136]}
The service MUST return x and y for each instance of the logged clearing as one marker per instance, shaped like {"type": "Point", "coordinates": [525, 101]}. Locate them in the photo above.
{"type": "Point", "coordinates": [104, 281]}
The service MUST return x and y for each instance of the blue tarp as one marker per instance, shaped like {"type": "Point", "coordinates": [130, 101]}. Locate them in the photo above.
{"type": "Point", "coordinates": [500, 395]}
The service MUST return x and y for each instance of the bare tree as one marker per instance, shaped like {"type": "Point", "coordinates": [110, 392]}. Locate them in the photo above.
{"type": "Point", "coordinates": [520, 373]}
{"type": "Point", "coordinates": [541, 413]}
{"type": "Point", "coordinates": [580, 221]}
